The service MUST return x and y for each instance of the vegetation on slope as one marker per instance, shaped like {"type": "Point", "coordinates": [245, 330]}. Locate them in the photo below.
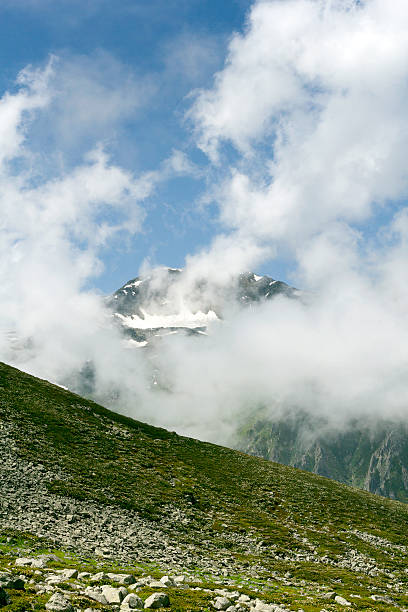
{"type": "Point", "coordinates": [309, 533]}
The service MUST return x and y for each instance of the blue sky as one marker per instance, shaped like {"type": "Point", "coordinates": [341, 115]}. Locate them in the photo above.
{"type": "Point", "coordinates": [241, 137]}
{"type": "Point", "coordinates": [169, 49]}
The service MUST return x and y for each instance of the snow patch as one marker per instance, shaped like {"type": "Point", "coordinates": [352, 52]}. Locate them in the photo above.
{"type": "Point", "coordinates": [134, 284]}
{"type": "Point", "coordinates": [134, 343]}
{"type": "Point", "coordinates": [185, 318]}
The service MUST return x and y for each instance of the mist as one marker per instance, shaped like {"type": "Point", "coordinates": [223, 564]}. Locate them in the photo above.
{"type": "Point", "coordinates": [318, 176]}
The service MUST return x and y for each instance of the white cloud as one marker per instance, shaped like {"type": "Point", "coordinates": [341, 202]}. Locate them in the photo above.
{"type": "Point", "coordinates": [53, 229]}
{"type": "Point", "coordinates": [313, 95]}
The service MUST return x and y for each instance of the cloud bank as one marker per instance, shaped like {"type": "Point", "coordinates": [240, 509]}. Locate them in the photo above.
{"type": "Point", "coordinates": [312, 100]}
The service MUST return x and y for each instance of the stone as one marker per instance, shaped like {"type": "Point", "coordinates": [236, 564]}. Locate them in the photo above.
{"type": "Point", "coordinates": [69, 573]}
{"type": "Point", "coordinates": [122, 578]}
{"type": "Point", "coordinates": [341, 601]}
{"type": "Point", "coordinates": [233, 595]}
{"type": "Point", "coordinates": [380, 598]}
{"type": "Point", "coordinates": [99, 577]}
{"type": "Point", "coordinates": [113, 595]}
{"type": "Point", "coordinates": [244, 598]}
{"type": "Point", "coordinates": [96, 594]}
{"type": "Point", "coordinates": [221, 603]}
{"type": "Point", "coordinates": [83, 575]}
{"type": "Point", "coordinates": [59, 603]}
{"type": "Point", "coordinates": [23, 562]}
{"type": "Point", "coordinates": [133, 602]}
{"type": "Point", "coordinates": [329, 595]}
{"type": "Point", "coordinates": [167, 581]}
{"type": "Point", "coordinates": [261, 606]}
{"type": "Point", "coordinates": [157, 600]}
{"type": "Point", "coordinates": [156, 584]}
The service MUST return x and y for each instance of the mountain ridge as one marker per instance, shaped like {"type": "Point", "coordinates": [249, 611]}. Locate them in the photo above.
{"type": "Point", "coordinates": [350, 453]}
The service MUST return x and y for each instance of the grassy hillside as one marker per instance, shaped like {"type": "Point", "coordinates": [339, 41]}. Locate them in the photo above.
{"type": "Point", "coordinates": [290, 534]}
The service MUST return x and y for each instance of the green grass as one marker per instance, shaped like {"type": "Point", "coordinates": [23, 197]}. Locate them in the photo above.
{"type": "Point", "coordinates": [220, 491]}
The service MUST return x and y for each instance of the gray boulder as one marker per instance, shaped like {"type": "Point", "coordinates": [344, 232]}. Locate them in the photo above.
{"type": "Point", "coordinates": [99, 577]}
{"type": "Point", "coordinates": [59, 603]}
{"type": "Point", "coordinates": [113, 595]}
{"type": "Point", "coordinates": [157, 600]}
{"type": "Point", "coordinates": [167, 581]}
{"type": "Point", "coordinates": [122, 578]}
{"type": "Point", "coordinates": [24, 562]}
{"type": "Point", "coordinates": [69, 573]}
{"type": "Point", "coordinates": [96, 594]}
{"type": "Point", "coordinates": [341, 601]}
{"type": "Point", "coordinates": [222, 603]}
{"type": "Point", "coordinates": [132, 602]}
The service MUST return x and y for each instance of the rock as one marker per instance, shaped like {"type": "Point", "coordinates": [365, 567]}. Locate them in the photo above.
{"type": "Point", "coordinates": [244, 598]}
{"type": "Point", "coordinates": [136, 585]}
{"type": "Point", "coordinates": [221, 603]}
{"type": "Point", "coordinates": [69, 573]}
{"type": "Point", "coordinates": [157, 600]}
{"type": "Point", "coordinates": [8, 581]}
{"type": "Point", "coordinates": [179, 579]}
{"type": "Point", "coordinates": [341, 601]}
{"type": "Point", "coordinates": [99, 577]}
{"type": "Point", "coordinates": [156, 584]}
{"type": "Point", "coordinates": [329, 595]}
{"type": "Point", "coordinates": [23, 562]}
{"type": "Point", "coordinates": [122, 578]}
{"type": "Point", "coordinates": [40, 561]}
{"type": "Point", "coordinates": [132, 602]}
{"type": "Point", "coordinates": [233, 595]}
{"type": "Point", "coordinates": [381, 598]}
{"type": "Point", "coordinates": [261, 606]}
{"type": "Point", "coordinates": [167, 581]}
{"type": "Point", "coordinates": [4, 598]}
{"type": "Point", "coordinates": [83, 575]}
{"type": "Point", "coordinates": [112, 595]}
{"type": "Point", "coordinates": [59, 603]}
{"type": "Point", "coordinates": [96, 594]}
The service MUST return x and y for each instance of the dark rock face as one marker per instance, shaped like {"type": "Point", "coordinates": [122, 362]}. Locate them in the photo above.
{"type": "Point", "coordinates": [373, 457]}
{"type": "Point", "coordinates": [168, 300]}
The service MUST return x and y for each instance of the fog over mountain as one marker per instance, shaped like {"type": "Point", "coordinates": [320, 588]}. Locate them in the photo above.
{"type": "Point", "coordinates": [312, 102]}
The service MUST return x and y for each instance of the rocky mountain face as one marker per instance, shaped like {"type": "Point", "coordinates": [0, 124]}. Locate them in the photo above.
{"type": "Point", "coordinates": [166, 302]}
{"type": "Point", "coordinates": [101, 512]}
{"type": "Point", "coordinates": [372, 456]}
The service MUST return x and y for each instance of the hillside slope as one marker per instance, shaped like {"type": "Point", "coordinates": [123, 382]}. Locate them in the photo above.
{"type": "Point", "coordinates": [106, 487]}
